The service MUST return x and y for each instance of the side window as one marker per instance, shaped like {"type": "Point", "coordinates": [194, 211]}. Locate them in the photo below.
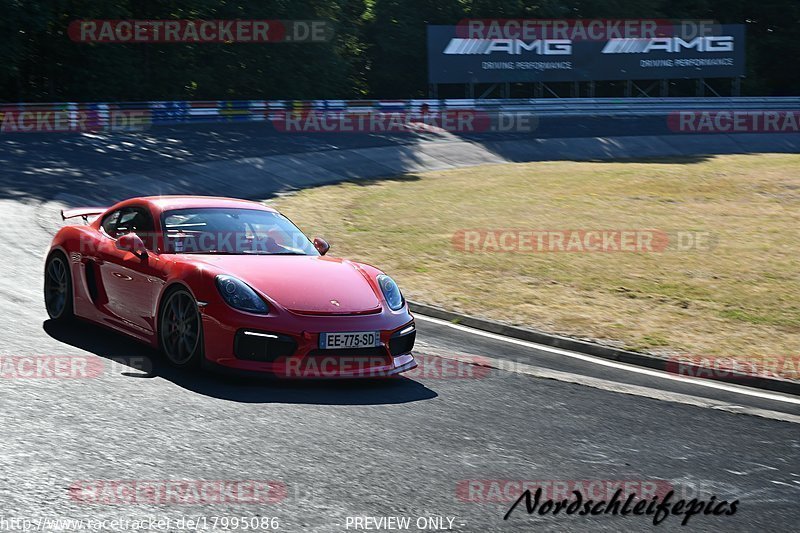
{"type": "Point", "coordinates": [137, 220]}
{"type": "Point", "coordinates": [127, 222]}
{"type": "Point", "coordinates": [109, 224]}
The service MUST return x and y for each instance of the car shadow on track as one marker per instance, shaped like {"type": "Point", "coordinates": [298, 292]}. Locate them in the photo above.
{"type": "Point", "coordinates": [138, 361]}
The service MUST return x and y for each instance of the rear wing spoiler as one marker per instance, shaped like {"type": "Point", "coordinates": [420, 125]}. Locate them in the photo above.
{"type": "Point", "coordinates": [83, 212]}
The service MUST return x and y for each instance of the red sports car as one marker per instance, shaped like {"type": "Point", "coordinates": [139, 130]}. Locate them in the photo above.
{"type": "Point", "coordinates": [227, 283]}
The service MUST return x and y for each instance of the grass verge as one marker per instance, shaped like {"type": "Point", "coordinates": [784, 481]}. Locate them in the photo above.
{"type": "Point", "coordinates": [736, 296]}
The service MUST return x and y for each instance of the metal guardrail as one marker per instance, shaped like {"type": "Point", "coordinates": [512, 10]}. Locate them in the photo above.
{"type": "Point", "coordinates": [102, 115]}
{"type": "Point", "coordinates": [632, 106]}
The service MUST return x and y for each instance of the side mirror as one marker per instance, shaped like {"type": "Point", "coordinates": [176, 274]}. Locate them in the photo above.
{"type": "Point", "coordinates": [130, 242]}
{"type": "Point", "coordinates": [321, 245]}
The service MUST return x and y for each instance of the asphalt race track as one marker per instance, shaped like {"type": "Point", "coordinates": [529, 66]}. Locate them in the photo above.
{"type": "Point", "coordinates": [436, 444]}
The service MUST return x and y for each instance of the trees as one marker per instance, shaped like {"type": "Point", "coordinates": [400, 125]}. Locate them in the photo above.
{"type": "Point", "coordinates": [378, 49]}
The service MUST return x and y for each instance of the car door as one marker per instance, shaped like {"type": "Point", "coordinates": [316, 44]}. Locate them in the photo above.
{"type": "Point", "coordinates": [131, 283]}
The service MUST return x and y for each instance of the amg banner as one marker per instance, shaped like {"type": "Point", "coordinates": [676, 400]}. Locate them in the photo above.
{"type": "Point", "coordinates": [454, 57]}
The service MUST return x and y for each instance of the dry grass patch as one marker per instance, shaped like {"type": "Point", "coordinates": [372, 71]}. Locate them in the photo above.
{"type": "Point", "coordinates": [740, 299]}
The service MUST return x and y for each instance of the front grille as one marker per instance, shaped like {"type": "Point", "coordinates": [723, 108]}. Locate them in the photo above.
{"type": "Point", "coordinates": [262, 348]}
{"type": "Point", "coordinates": [402, 344]}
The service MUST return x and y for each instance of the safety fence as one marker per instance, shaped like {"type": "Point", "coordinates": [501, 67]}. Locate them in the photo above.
{"type": "Point", "coordinates": [71, 116]}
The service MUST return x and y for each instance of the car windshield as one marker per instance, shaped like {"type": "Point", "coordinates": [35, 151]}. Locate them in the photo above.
{"type": "Point", "coordinates": [233, 231]}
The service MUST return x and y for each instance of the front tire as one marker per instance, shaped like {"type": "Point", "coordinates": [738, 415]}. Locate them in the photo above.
{"type": "Point", "coordinates": [58, 287]}
{"type": "Point", "coordinates": [180, 329]}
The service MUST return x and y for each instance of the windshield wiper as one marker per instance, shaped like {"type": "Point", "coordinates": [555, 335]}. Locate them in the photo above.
{"type": "Point", "coordinates": [218, 252]}
{"type": "Point", "coordinates": [240, 252]}
{"type": "Point", "coordinates": [261, 252]}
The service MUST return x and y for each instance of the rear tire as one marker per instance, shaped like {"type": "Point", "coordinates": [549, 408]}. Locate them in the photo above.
{"type": "Point", "coordinates": [58, 287]}
{"type": "Point", "coordinates": [180, 329]}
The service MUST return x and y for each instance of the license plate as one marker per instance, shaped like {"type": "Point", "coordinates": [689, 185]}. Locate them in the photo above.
{"type": "Point", "coordinates": [352, 339]}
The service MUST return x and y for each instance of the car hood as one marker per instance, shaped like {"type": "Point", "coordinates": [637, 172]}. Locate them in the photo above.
{"type": "Point", "coordinates": [304, 284]}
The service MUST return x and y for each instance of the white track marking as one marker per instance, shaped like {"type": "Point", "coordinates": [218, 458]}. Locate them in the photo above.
{"type": "Point", "coordinates": [614, 364]}
{"type": "Point", "coordinates": [505, 365]}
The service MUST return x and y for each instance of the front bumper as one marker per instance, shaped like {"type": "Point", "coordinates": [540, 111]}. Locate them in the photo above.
{"type": "Point", "coordinates": [399, 365]}
{"type": "Point", "coordinates": [287, 345]}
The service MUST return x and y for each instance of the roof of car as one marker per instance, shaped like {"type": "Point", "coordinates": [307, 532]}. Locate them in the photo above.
{"type": "Point", "coordinates": [165, 203]}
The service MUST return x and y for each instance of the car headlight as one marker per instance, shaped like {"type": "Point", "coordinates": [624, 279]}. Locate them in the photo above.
{"type": "Point", "coordinates": [239, 295]}
{"type": "Point", "coordinates": [391, 292]}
